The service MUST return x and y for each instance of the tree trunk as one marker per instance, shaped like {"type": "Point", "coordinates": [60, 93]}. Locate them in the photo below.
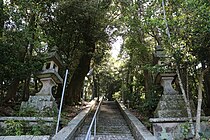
{"type": "Point", "coordinates": [75, 86]}
{"type": "Point", "coordinates": [147, 84]}
{"type": "Point", "coordinates": [36, 85]}
{"type": "Point", "coordinates": [32, 26]}
{"type": "Point", "coordinates": [26, 91]}
{"type": "Point", "coordinates": [95, 86]}
{"type": "Point", "coordinates": [1, 18]}
{"type": "Point", "coordinates": [130, 76]}
{"type": "Point", "coordinates": [198, 116]}
{"type": "Point", "coordinates": [11, 93]}
{"type": "Point", "coordinates": [186, 101]}
{"type": "Point", "coordinates": [206, 100]}
{"type": "Point", "coordinates": [184, 78]}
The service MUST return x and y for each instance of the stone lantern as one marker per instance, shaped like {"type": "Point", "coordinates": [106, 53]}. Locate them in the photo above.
{"type": "Point", "coordinates": [49, 75]}
{"type": "Point", "coordinates": [171, 108]}
{"type": "Point", "coordinates": [171, 103]}
{"type": "Point", "coordinates": [44, 100]}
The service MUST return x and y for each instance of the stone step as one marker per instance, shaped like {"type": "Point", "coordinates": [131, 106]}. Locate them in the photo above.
{"type": "Point", "coordinates": [110, 124]}
{"type": "Point", "coordinates": [171, 113]}
{"type": "Point", "coordinates": [113, 129]}
{"type": "Point", "coordinates": [172, 97]}
{"type": "Point", "coordinates": [107, 137]}
{"type": "Point", "coordinates": [175, 104]}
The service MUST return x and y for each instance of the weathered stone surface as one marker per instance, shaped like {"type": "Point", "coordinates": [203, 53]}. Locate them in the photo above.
{"type": "Point", "coordinates": [40, 103]}
{"type": "Point", "coordinates": [25, 137]}
{"type": "Point", "coordinates": [139, 131]}
{"type": "Point", "coordinates": [177, 128]}
{"type": "Point", "coordinates": [164, 130]}
{"type": "Point", "coordinates": [171, 106]}
{"type": "Point", "coordinates": [41, 138]}
{"type": "Point", "coordinates": [56, 78]}
{"type": "Point", "coordinates": [166, 81]}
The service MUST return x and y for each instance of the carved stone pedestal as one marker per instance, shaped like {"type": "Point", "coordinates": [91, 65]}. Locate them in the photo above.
{"type": "Point", "coordinates": [41, 104]}
{"type": "Point", "coordinates": [170, 110]}
{"type": "Point", "coordinates": [171, 106]}
{"type": "Point", "coordinates": [171, 103]}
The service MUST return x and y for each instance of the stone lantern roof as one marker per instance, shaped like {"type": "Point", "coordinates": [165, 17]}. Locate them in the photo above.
{"type": "Point", "coordinates": [53, 55]}
{"type": "Point", "coordinates": [51, 66]}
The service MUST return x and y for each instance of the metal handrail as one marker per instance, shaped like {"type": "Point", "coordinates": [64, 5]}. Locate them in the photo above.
{"type": "Point", "coordinates": [93, 122]}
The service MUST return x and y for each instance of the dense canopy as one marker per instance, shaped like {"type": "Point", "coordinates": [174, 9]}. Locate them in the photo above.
{"type": "Point", "coordinates": [84, 31]}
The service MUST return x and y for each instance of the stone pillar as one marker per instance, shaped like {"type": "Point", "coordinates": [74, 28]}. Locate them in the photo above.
{"type": "Point", "coordinates": [171, 103]}
{"type": "Point", "coordinates": [47, 85]}
{"type": "Point", "coordinates": [166, 80]}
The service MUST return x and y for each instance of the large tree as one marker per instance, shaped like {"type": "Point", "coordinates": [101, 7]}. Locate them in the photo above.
{"type": "Point", "coordinates": [21, 45]}
{"type": "Point", "coordinates": [76, 28]}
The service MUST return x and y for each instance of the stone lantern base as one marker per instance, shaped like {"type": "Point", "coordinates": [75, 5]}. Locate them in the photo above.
{"type": "Point", "coordinates": [41, 104]}
{"type": "Point", "coordinates": [171, 111]}
{"type": "Point", "coordinates": [177, 128]}
{"type": "Point", "coordinates": [43, 101]}
{"type": "Point", "coordinates": [171, 106]}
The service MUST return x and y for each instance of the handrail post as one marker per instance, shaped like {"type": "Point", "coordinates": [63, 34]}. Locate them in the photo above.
{"type": "Point", "coordinates": [95, 128]}
{"type": "Point", "coordinates": [60, 108]}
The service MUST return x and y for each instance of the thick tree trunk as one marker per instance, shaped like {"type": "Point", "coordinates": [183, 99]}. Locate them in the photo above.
{"type": "Point", "coordinates": [206, 98]}
{"type": "Point", "coordinates": [75, 86]}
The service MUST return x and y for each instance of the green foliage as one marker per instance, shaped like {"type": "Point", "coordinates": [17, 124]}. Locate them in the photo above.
{"type": "Point", "coordinates": [185, 128]}
{"type": "Point", "coordinates": [27, 112]}
{"type": "Point", "coordinates": [116, 96]}
{"type": "Point", "coordinates": [1, 131]}
{"type": "Point", "coordinates": [155, 68]}
{"type": "Point", "coordinates": [49, 112]}
{"type": "Point", "coordinates": [77, 24]}
{"type": "Point", "coordinates": [142, 27]}
{"type": "Point", "coordinates": [79, 28]}
{"type": "Point", "coordinates": [14, 127]}
{"type": "Point", "coordinates": [17, 128]}
{"type": "Point", "coordinates": [32, 112]}
{"type": "Point", "coordinates": [41, 129]}
{"type": "Point", "coordinates": [21, 48]}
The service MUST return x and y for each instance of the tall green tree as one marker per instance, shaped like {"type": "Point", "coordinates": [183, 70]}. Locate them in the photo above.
{"type": "Point", "coordinates": [21, 45]}
{"type": "Point", "coordinates": [76, 28]}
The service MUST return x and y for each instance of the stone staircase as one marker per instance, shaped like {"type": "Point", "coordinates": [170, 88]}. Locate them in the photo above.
{"type": "Point", "coordinates": [110, 126]}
